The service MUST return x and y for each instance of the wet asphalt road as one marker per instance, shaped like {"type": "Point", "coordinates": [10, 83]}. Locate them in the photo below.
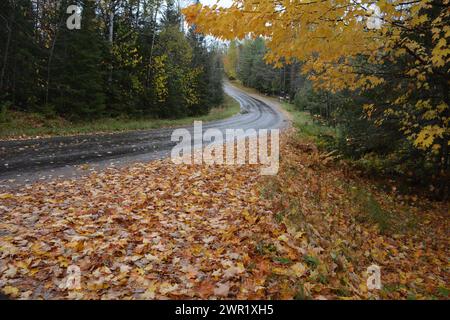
{"type": "Point", "coordinates": [27, 161]}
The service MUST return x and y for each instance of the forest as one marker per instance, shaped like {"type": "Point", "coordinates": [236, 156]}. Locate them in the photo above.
{"type": "Point", "coordinates": [128, 58]}
{"type": "Point", "coordinates": [355, 95]}
{"type": "Point", "coordinates": [391, 119]}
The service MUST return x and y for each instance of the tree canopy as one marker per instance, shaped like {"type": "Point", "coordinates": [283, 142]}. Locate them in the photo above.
{"type": "Point", "coordinates": [129, 58]}
{"type": "Point", "coordinates": [357, 46]}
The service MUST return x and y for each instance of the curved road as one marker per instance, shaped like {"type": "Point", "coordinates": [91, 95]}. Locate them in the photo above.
{"type": "Point", "coordinates": [27, 161]}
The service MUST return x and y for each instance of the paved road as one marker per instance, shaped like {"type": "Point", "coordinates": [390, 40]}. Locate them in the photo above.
{"type": "Point", "coordinates": [27, 161]}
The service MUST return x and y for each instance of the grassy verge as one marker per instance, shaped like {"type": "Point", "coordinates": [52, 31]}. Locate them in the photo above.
{"type": "Point", "coordinates": [306, 127]}
{"type": "Point", "coordinates": [343, 224]}
{"type": "Point", "coordinates": [25, 125]}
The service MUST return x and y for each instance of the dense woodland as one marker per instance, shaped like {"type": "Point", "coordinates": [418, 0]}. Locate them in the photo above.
{"type": "Point", "coordinates": [134, 58]}
{"type": "Point", "coordinates": [354, 212]}
{"type": "Point", "coordinates": [376, 143]}
{"type": "Point", "coordinates": [378, 70]}
{"type": "Point", "coordinates": [387, 96]}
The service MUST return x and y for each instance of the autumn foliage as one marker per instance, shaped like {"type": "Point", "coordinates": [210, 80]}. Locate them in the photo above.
{"type": "Point", "coordinates": [358, 46]}
{"type": "Point", "coordinates": [159, 230]}
{"type": "Point", "coordinates": [343, 223]}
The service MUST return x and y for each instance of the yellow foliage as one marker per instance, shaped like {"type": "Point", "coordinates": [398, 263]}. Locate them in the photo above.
{"type": "Point", "coordinates": [427, 135]}
{"type": "Point", "coordinates": [329, 36]}
{"type": "Point", "coordinates": [160, 78]}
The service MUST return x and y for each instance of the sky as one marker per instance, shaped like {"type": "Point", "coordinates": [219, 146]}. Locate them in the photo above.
{"type": "Point", "coordinates": [223, 3]}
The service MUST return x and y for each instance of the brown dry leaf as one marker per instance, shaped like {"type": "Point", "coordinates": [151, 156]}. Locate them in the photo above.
{"type": "Point", "coordinates": [222, 290]}
{"type": "Point", "coordinates": [298, 269]}
{"type": "Point", "coordinates": [150, 293]}
{"type": "Point", "coordinates": [159, 230]}
{"type": "Point", "coordinates": [11, 291]}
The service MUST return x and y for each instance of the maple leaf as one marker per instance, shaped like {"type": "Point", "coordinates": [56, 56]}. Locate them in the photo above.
{"type": "Point", "coordinates": [233, 271]}
{"type": "Point", "coordinates": [347, 32]}
{"type": "Point", "coordinates": [298, 269]}
{"type": "Point", "coordinates": [11, 291]}
{"type": "Point", "coordinates": [150, 293]}
{"type": "Point", "coordinates": [167, 287]}
{"type": "Point", "coordinates": [222, 289]}
{"type": "Point", "coordinates": [10, 272]}
{"type": "Point", "coordinates": [120, 258]}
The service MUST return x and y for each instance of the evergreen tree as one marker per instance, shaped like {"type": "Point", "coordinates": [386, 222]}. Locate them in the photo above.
{"type": "Point", "coordinates": [174, 49]}
{"type": "Point", "coordinates": [172, 15]}
{"type": "Point", "coordinates": [254, 72]}
{"type": "Point", "coordinates": [209, 78]}
{"type": "Point", "coordinates": [126, 83]}
{"type": "Point", "coordinates": [77, 81]}
{"type": "Point", "coordinates": [19, 55]}
{"type": "Point", "coordinates": [123, 61]}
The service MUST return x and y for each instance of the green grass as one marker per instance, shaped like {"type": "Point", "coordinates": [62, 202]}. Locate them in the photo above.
{"type": "Point", "coordinates": [371, 211]}
{"type": "Point", "coordinates": [18, 124]}
{"type": "Point", "coordinates": [302, 120]}
{"type": "Point", "coordinates": [305, 125]}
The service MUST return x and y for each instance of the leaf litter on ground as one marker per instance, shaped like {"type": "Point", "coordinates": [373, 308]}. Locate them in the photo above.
{"type": "Point", "coordinates": [165, 231]}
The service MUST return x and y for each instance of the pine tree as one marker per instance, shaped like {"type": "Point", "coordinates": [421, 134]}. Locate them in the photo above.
{"type": "Point", "coordinates": [19, 55]}
{"type": "Point", "coordinates": [209, 77]}
{"type": "Point", "coordinates": [77, 81]}
{"type": "Point", "coordinates": [174, 49]}
{"type": "Point", "coordinates": [172, 15]}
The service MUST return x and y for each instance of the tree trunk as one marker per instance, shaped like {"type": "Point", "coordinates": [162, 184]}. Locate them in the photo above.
{"type": "Point", "coordinates": [50, 59]}
{"type": "Point", "coordinates": [155, 16]}
{"type": "Point", "coordinates": [111, 40]}
{"type": "Point", "coordinates": [138, 12]}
